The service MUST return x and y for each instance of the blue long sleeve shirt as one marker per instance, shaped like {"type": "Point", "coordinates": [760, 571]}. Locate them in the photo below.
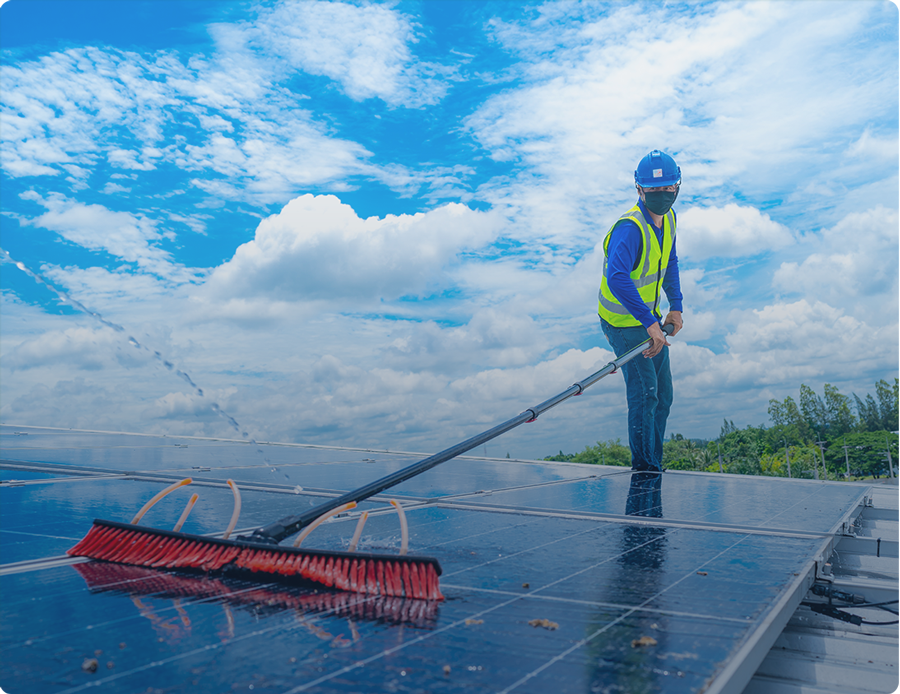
{"type": "Point", "coordinates": [623, 253]}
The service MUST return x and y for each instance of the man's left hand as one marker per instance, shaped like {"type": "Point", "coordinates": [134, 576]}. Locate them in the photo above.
{"type": "Point", "coordinates": [673, 318]}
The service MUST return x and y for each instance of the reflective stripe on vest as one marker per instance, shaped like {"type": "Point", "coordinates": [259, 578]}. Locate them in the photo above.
{"type": "Point", "coordinates": [648, 275]}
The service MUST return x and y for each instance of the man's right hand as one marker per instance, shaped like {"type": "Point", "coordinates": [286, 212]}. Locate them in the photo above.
{"type": "Point", "coordinates": [659, 341]}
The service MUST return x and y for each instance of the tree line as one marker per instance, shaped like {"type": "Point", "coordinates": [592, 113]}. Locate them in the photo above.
{"type": "Point", "coordinates": [831, 436]}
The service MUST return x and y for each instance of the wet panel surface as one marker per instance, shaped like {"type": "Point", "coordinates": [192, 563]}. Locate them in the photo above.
{"type": "Point", "coordinates": [177, 629]}
{"type": "Point", "coordinates": [745, 501]}
{"type": "Point", "coordinates": [276, 464]}
{"type": "Point", "coordinates": [535, 602]}
{"type": "Point", "coordinates": [45, 520]}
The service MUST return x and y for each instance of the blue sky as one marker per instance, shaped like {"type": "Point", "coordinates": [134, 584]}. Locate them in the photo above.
{"type": "Point", "coordinates": [380, 224]}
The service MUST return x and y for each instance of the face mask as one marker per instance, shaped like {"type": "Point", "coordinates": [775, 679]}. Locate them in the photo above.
{"type": "Point", "coordinates": [661, 201]}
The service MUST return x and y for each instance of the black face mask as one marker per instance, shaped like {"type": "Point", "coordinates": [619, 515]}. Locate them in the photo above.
{"type": "Point", "coordinates": [660, 201]}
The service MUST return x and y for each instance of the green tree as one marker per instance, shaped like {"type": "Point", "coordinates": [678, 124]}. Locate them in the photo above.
{"type": "Point", "coordinates": [610, 452]}
{"type": "Point", "coordinates": [867, 411]}
{"type": "Point", "coordinates": [727, 428]}
{"type": "Point", "coordinates": [788, 421]}
{"type": "Point", "coordinates": [812, 408]}
{"type": "Point", "coordinates": [887, 403]}
{"type": "Point", "coordinates": [680, 453]}
{"type": "Point", "coordinates": [561, 457]}
{"type": "Point", "coordinates": [866, 453]}
{"type": "Point", "coordinates": [838, 415]}
{"type": "Point", "coordinates": [741, 451]}
{"type": "Point", "coordinates": [879, 414]}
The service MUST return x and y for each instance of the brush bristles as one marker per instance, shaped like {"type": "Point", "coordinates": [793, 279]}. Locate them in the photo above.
{"type": "Point", "coordinates": [138, 581]}
{"type": "Point", "coordinates": [405, 578]}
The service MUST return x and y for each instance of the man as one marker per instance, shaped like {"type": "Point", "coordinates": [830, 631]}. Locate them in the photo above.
{"type": "Point", "coordinates": [641, 263]}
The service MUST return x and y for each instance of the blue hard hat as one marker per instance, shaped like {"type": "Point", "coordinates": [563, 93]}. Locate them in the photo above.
{"type": "Point", "coordinates": [657, 170]}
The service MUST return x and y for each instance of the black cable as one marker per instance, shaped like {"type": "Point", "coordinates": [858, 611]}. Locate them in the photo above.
{"type": "Point", "coordinates": [878, 604]}
{"type": "Point", "coordinates": [835, 613]}
{"type": "Point", "coordinates": [826, 590]}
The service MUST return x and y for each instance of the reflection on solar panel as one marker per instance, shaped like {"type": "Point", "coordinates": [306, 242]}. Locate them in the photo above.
{"type": "Point", "coordinates": [558, 577]}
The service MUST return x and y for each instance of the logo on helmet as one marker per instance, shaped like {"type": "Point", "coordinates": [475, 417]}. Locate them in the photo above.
{"type": "Point", "coordinates": [657, 173]}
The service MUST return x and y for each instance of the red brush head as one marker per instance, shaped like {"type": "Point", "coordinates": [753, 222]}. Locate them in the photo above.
{"type": "Point", "coordinates": [376, 574]}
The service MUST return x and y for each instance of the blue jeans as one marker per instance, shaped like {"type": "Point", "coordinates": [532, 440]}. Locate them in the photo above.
{"type": "Point", "coordinates": [648, 387]}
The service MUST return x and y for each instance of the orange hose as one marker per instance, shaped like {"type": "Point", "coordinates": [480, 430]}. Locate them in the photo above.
{"type": "Point", "coordinates": [167, 490]}
{"type": "Point", "coordinates": [186, 512]}
{"type": "Point", "coordinates": [321, 519]}
{"type": "Point", "coordinates": [237, 509]}
{"type": "Point", "coordinates": [359, 529]}
{"type": "Point", "coordinates": [404, 530]}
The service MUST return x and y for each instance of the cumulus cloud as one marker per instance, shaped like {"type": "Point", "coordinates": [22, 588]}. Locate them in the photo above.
{"type": "Point", "coordinates": [770, 352]}
{"type": "Point", "coordinates": [318, 248]}
{"type": "Point", "coordinates": [731, 231]}
{"type": "Point", "coordinates": [190, 406]}
{"type": "Point", "coordinates": [80, 348]}
{"type": "Point", "coordinates": [491, 337]}
{"type": "Point", "coordinates": [783, 344]}
{"type": "Point", "coordinates": [595, 93]}
{"type": "Point", "coordinates": [854, 260]}
{"type": "Point", "coordinates": [416, 330]}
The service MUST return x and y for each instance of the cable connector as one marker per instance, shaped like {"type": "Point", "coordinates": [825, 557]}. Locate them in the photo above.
{"type": "Point", "coordinates": [827, 591]}
{"type": "Point", "coordinates": [832, 611]}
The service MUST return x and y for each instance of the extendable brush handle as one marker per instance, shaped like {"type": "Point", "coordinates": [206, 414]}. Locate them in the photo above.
{"type": "Point", "coordinates": [276, 532]}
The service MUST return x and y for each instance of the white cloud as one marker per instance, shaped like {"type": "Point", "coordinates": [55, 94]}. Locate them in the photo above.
{"type": "Point", "coordinates": [81, 348]}
{"type": "Point", "coordinates": [69, 111]}
{"type": "Point", "coordinates": [479, 309]}
{"type": "Point", "coordinates": [366, 48]}
{"type": "Point", "coordinates": [186, 406]}
{"type": "Point", "coordinates": [871, 147]}
{"type": "Point", "coordinates": [744, 95]}
{"type": "Point", "coordinates": [491, 337]}
{"type": "Point", "coordinates": [127, 159]}
{"type": "Point", "coordinates": [195, 222]}
{"type": "Point", "coordinates": [122, 234]}
{"type": "Point", "coordinates": [784, 344]}
{"type": "Point", "coordinates": [731, 231]}
{"type": "Point", "coordinates": [272, 161]}
{"type": "Point", "coordinates": [317, 248]}
{"type": "Point", "coordinates": [112, 188]}
{"type": "Point", "coordinates": [852, 265]}
{"type": "Point", "coordinates": [55, 109]}
{"type": "Point", "coordinates": [770, 352]}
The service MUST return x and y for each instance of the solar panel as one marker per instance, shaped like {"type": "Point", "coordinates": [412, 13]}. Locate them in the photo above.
{"type": "Point", "coordinates": [557, 577]}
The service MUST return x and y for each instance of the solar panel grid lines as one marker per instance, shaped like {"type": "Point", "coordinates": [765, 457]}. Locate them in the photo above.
{"type": "Point", "coordinates": [655, 522]}
{"type": "Point", "coordinates": [550, 581]}
{"type": "Point", "coordinates": [589, 603]}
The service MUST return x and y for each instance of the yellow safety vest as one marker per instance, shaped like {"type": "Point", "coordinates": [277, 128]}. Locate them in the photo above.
{"type": "Point", "coordinates": [648, 275]}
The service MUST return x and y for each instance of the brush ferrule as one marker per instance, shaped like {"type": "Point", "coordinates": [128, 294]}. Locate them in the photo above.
{"type": "Point", "coordinates": [269, 535]}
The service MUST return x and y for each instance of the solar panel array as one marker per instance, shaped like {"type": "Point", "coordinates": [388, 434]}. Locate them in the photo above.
{"type": "Point", "coordinates": [557, 577]}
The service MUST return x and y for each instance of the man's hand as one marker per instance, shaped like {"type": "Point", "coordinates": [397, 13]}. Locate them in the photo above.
{"type": "Point", "coordinates": [673, 318]}
{"type": "Point", "coordinates": [659, 340]}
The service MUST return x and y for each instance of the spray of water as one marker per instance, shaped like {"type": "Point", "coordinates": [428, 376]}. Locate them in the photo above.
{"type": "Point", "coordinates": [169, 366]}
